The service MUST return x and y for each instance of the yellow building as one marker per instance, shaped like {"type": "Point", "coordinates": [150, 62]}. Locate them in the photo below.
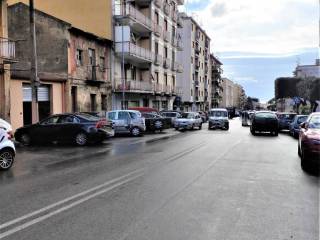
{"type": "Point", "coordinates": [89, 16]}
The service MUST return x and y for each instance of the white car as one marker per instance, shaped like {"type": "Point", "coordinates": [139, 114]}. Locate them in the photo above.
{"type": "Point", "coordinates": [218, 118]}
{"type": "Point", "coordinates": [188, 120]}
{"type": "Point", "coordinates": [7, 148]}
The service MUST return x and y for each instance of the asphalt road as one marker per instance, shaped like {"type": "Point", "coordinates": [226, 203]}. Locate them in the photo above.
{"type": "Point", "coordinates": [192, 185]}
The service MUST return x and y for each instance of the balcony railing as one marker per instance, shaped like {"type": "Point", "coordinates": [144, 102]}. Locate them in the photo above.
{"type": "Point", "coordinates": [166, 8]}
{"type": "Point", "coordinates": [175, 16]}
{"type": "Point", "coordinates": [158, 3]}
{"type": "Point", "coordinates": [180, 45]}
{"type": "Point", "coordinates": [134, 50]}
{"type": "Point", "coordinates": [179, 67]}
{"type": "Point", "coordinates": [7, 50]}
{"type": "Point", "coordinates": [157, 59]}
{"type": "Point", "coordinates": [166, 63]}
{"type": "Point", "coordinates": [130, 85]}
{"type": "Point", "coordinates": [166, 35]}
{"type": "Point", "coordinates": [196, 83]}
{"type": "Point", "coordinates": [130, 11]}
{"type": "Point", "coordinates": [197, 48]}
{"type": "Point", "coordinates": [157, 29]}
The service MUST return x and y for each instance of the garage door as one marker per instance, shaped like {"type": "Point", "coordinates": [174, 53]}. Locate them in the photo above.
{"type": "Point", "coordinates": [43, 93]}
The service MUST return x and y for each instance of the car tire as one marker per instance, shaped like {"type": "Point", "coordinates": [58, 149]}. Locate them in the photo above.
{"type": "Point", "coordinates": [276, 133]}
{"type": "Point", "coordinates": [25, 139]}
{"type": "Point", "coordinates": [81, 139]}
{"type": "Point", "coordinates": [135, 132]}
{"type": "Point", "coordinates": [304, 164]}
{"type": "Point", "coordinates": [253, 132]}
{"type": "Point", "coordinates": [6, 159]}
{"type": "Point", "coordinates": [200, 126]}
{"type": "Point", "coordinates": [176, 128]}
{"type": "Point", "coordinates": [299, 151]}
{"type": "Point", "coordinates": [192, 128]}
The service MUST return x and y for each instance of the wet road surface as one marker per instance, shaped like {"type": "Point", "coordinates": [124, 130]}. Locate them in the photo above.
{"type": "Point", "coordinates": [192, 185]}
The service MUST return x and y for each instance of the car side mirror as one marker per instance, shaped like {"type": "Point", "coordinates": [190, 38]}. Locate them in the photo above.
{"type": "Point", "coordinates": [304, 125]}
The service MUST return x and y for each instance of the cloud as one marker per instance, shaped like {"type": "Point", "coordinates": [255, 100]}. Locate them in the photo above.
{"type": "Point", "coordinates": [272, 27]}
{"type": "Point", "coordinates": [218, 10]}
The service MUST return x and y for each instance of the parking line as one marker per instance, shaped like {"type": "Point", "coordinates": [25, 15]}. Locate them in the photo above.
{"type": "Point", "coordinates": [14, 221]}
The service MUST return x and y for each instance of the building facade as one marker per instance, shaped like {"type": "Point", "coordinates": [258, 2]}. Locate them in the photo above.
{"type": "Point", "coordinates": [73, 67]}
{"type": "Point", "coordinates": [233, 95]}
{"type": "Point", "coordinates": [304, 71]}
{"type": "Point", "coordinates": [216, 81]}
{"type": "Point", "coordinates": [7, 57]}
{"type": "Point", "coordinates": [146, 45]}
{"type": "Point", "coordinates": [195, 81]}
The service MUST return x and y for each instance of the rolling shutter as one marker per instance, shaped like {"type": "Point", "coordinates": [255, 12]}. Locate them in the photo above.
{"type": "Point", "coordinates": [43, 93]}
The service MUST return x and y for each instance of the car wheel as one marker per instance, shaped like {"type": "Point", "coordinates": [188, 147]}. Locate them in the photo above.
{"type": "Point", "coordinates": [6, 159]}
{"type": "Point", "coordinates": [25, 139]}
{"type": "Point", "coordinates": [192, 127]}
{"type": "Point", "coordinates": [299, 151]}
{"type": "Point", "coordinates": [253, 132]}
{"type": "Point", "coordinates": [135, 132]}
{"type": "Point", "coordinates": [81, 139]}
{"type": "Point", "coordinates": [276, 133]}
{"type": "Point", "coordinates": [176, 128]}
{"type": "Point", "coordinates": [200, 126]}
{"type": "Point", "coordinates": [158, 125]}
{"type": "Point", "coordinates": [304, 164]}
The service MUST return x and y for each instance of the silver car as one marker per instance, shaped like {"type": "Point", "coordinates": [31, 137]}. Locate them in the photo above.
{"type": "Point", "coordinates": [218, 118]}
{"type": "Point", "coordinates": [127, 121]}
{"type": "Point", "coordinates": [188, 120]}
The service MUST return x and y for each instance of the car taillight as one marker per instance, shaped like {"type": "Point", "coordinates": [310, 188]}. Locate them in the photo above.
{"type": "Point", "coordinates": [10, 135]}
{"type": "Point", "coordinates": [101, 123]}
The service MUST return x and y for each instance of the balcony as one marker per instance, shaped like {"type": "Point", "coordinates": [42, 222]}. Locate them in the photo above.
{"type": "Point", "coordinates": [130, 85]}
{"type": "Point", "coordinates": [166, 9]}
{"type": "Point", "coordinates": [133, 53]}
{"type": "Point", "coordinates": [179, 67]}
{"type": "Point", "coordinates": [180, 2]}
{"type": "Point", "coordinates": [180, 22]}
{"type": "Point", "coordinates": [175, 16]}
{"type": "Point", "coordinates": [166, 35]}
{"type": "Point", "coordinates": [159, 88]}
{"type": "Point", "coordinates": [157, 29]}
{"type": "Point", "coordinates": [7, 50]}
{"type": "Point", "coordinates": [95, 75]}
{"type": "Point", "coordinates": [129, 15]}
{"type": "Point", "coordinates": [197, 64]}
{"type": "Point", "coordinates": [174, 40]}
{"type": "Point", "coordinates": [196, 83]}
{"type": "Point", "coordinates": [166, 63]}
{"type": "Point", "coordinates": [157, 60]}
{"type": "Point", "coordinates": [158, 3]}
{"type": "Point", "coordinates": [197, 48]}
{"type": "Point", "coordinates": [180, 45]}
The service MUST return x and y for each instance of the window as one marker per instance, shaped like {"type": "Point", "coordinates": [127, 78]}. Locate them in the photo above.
{"type": "Point", "coordinates": [123, 116]}
{"type": "Point", "coordinates": [93, 102]}
{"type": "Point", "coordinates": [157, 77]}
{"type": "Point", "coordinates": [191, 59]}
{"type": "Point", "coordinates": [79, 57]}
{"type": "Point", "coordinates": [92, 57]}
{"type": "Point", "coordinates": [191, 93]}
{"type": "Point", "coordinates": [112, 115]}
{"type": "Point", "coordinates": [51, 120]}
{"type": "Point", "coordinates": [192, 44]}
{"type": "Point", "coordinates": [166, 79]}
{"type": "Point", "coordinates": [102, 64]}
{"type": "Point", "coordinates": [157, 17]}
{"type": "Point", "coordinates": [165, 52]}
{"type": "Point", "coordinates": [156, 47]}
{"type": "Point", "coordinates": [68, 119]}
{"type": "Point", "coordinates": [173, 81]}
{"type": "Point", "coordinates": [103, 102]}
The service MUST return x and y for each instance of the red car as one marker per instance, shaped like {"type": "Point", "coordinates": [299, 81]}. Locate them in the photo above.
{"type": "Point", "coordinates": [309, 143]}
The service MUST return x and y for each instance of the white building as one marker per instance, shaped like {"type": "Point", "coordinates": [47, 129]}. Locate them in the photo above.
{"type": "Point", "coordinates": [195, 81]}
{"type": "Point", "coordinates": [146, 46]}
{"type": "Point", "coordinates": [303, 71]}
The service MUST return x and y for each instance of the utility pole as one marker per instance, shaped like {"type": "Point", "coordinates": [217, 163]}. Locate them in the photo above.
{"type": "Point", "coordinates": [34, 65]}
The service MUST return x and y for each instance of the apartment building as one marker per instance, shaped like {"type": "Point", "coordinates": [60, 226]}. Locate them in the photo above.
{"type": "Point", "coordinates": [7, 57]}
{"type": "Point", "coordinates": [304, 71]}
{"type": "Point", "coordinates": [233, 94]}
{"type": "Point", "coordinates": [146, 46]}
{"type": "Point", "coordinates": [195, 79]}
{"type": "Point", "coordinates": [216, 81]}
{"type": "Point", "coordinates": [72, 67]}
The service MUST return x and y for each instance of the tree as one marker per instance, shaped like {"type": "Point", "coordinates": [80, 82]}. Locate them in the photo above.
{"type": "Point", "coordinates": [309, 89]}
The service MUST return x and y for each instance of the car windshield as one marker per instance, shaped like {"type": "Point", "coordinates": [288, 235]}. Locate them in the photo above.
{"type": "Point", "coordinates": [135, 115]}
{"type": "Point", "coordinates": [302, 119]}
{"type": "Point", "coordinates": [187, 115]}
{"type": "Point", "coordinates": [314, 122]}
{"type": "Point", "coordinates": [286, 116]}
{"type": "Point", "coordinates": [218, 114]}
{"type": "Point", "coordinates": [265, 115]}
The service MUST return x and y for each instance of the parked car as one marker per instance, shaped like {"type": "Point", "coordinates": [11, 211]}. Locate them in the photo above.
{"type": "Point", "coordinates": [285, 119]}
{"type": "Point", "coordinates": [218, 118]}
{"type": "Point", "coordinates": [155, 122]}
{"type": "Point", "coordinates": [231, 112]}
{"type": "Point", "coordinates": [7, 148]}
{"type": "Point", "coordinates": [264, 121]}
{"type": "Point", "coordinates": [295, 125]}
{"type": "Point", "coordinates": [78, 128]}
{"type": "Point", "coordinates": [127, 121]}
{"type": "Point", "coordinates": [144, 109]}
{"type": "Point", "coordinates": [309, 142]}
{"type": "Point", "coordinates": [246, 118]}
{"type": "Point", "coordinates": [171, 114]}
{"type": "Point", "coordinates": [188, 120]}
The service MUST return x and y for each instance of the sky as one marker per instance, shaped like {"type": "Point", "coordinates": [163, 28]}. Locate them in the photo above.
{"type": "Point", "coordinates": [259, 40]}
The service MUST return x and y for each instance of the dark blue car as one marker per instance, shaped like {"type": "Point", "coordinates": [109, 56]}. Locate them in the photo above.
{"type": "Point", "coordinates": [285, 119]}
{"type": "Point", "coordinates": [295, 125]}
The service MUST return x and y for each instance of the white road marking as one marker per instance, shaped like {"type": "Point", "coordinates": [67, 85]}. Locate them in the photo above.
{"type": "Point", "coordinates": [14, 221]}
